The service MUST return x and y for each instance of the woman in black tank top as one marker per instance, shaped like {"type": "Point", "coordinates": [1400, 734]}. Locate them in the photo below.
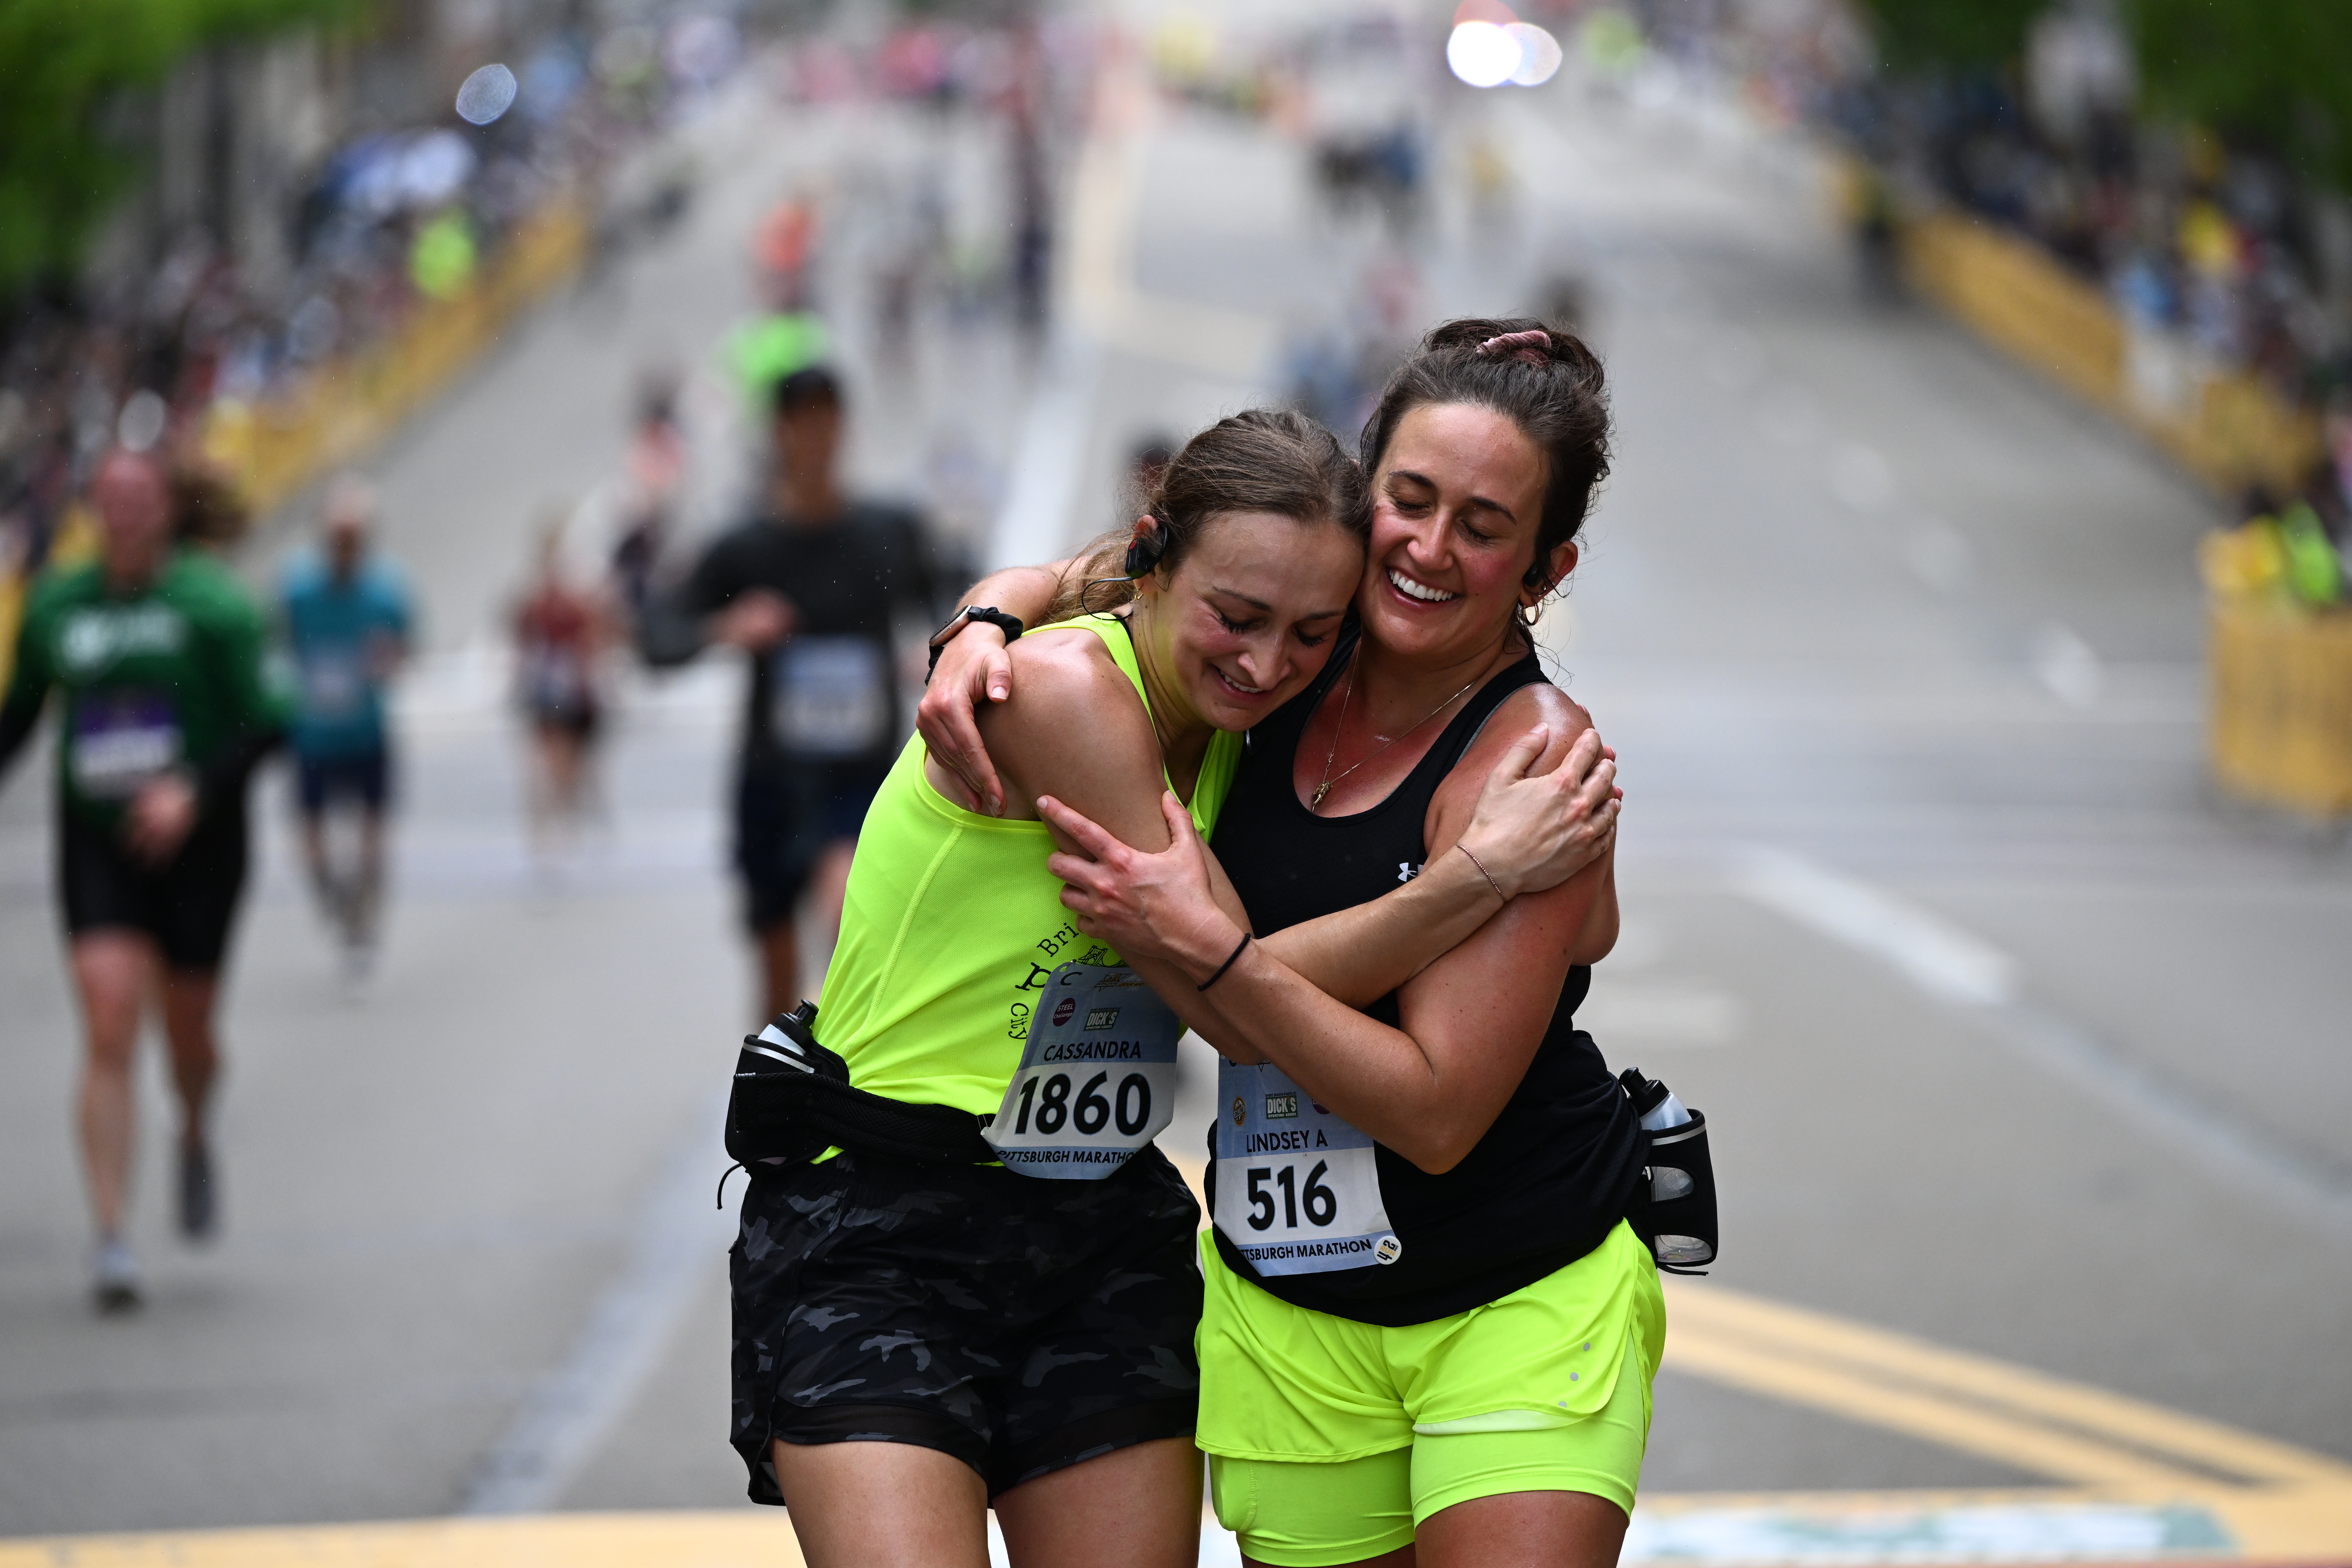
{"type": "Point", "coordinates": [1462, 1110]}
{"type": "Point", "coordinates": [1552, 1173]}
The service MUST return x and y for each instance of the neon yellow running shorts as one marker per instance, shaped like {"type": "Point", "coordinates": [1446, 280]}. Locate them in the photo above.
{"type": "Point", "coordinates": [1331, 1440]}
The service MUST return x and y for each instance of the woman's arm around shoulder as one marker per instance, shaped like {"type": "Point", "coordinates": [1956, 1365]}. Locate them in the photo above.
{"type": "Point", "coordinates": [1481, 1011]}
{"type": "Point", "coordinates": [1072, 727]}
{"type": "Point", "coordinates": [973, 670]}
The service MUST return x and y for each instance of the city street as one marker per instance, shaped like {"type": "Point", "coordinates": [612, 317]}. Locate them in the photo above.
{"type": "Point", "coordinates": [2022, 1054]}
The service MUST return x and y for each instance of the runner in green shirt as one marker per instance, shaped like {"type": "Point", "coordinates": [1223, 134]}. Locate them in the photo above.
{"type": "Point", "coordinates": [155, 657]}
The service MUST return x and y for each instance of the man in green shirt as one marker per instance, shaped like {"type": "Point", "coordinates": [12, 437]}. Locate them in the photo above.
{"type": "Point", "coordinates": [155, 656]}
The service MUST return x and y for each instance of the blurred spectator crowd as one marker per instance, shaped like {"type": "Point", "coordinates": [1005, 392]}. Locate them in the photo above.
{"type": "Point", "coordinates": [2218, 243]}
{"type": "Point", "coordinates": [388, 220]}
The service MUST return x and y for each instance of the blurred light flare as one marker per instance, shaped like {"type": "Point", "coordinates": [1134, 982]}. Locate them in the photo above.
{"type": "Point", "coordinates": [142, 421]}
{"type": "Point", "coordinates": [486, 94]}
{"type": "Point", "coordinates": [1488, 47]}
{"type": "Point", "coordinates": [1539, 54]}
{"type": "Point", "coordinates": [1482, 54]}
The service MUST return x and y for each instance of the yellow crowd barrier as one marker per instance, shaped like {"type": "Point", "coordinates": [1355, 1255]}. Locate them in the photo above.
{"type": "Point", "coordinates": [2280, 675]}
{"type": "Point", "coordinates": [274, 448]}
{"type": "Point", "coordinates": [2281, 692]}
{"type": "Point", "coordinates": [2227, 427]}
{"type": "Point", "coordinates": [333, 415]}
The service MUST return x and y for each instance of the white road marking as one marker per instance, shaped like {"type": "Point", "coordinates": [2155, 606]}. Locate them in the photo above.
{"type": "Point", "coordinates": [1861, 476]}
{"type": "Point", "coordinates": [2235, 1496]}
{"type": "Point", "coordinates": [1949, 963]}
{"type": "Point", "coordinates": [2069, 667]}
{"type": "Point", "coordinates": [1691, 1013]}
{"type": "Point", "coordinates": [680, 1245]}
{"type": "Point", "coordinates": [2011, 1532]}
{"type": "Point", "coordinates": [1955, 966]}
{"type": "Point", "coordinates": [1035, 522]}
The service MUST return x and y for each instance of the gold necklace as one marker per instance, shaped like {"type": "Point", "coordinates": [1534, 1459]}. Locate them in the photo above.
{"type": "Point", "coordinates": [1348, 696]}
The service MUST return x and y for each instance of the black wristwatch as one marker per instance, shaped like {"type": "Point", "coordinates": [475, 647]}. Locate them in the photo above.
{"type": "Point", "coordinates": [1009, 624]}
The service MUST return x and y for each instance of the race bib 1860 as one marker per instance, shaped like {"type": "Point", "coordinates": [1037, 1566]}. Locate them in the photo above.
{"type": "Point", "coordinates": [1299, 1191]}
{"type": "Point", "coordinates": [832, 696]}
{"type": "Point", "coordinates": [1096, 1081]}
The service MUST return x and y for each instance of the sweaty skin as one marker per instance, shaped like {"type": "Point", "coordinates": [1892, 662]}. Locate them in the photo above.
{"type": "Point", "coordinates": [1532, 826]}
{"type": "Point", "coordinates": [1456, 502]}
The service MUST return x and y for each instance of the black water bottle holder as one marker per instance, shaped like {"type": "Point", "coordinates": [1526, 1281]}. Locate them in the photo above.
{"type": "Point", "coordinates": [1674, 1210]}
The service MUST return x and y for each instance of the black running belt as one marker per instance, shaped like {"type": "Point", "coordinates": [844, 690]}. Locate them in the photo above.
{"type": "Point", "coordinates": [793, 1100]}
{"type": "Point", "coordinates": [793, 1117]}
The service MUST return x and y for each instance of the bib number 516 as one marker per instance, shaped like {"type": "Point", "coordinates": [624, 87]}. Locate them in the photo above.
{"type": "Point", "coordinates": [1322, 1205]}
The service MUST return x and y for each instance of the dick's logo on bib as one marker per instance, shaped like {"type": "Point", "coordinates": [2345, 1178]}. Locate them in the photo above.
{"type": "Point", "coordinates": [1298, 1189]}
{"type": "Point", "coordinates": [1096, 1081]}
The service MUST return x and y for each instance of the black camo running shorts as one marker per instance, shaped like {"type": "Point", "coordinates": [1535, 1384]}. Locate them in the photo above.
{"type": "Point", "coordinates": [1020, 1325]}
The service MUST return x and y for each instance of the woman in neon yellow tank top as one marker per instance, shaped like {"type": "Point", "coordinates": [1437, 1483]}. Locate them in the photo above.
{"type": "Point", "coordinates": [917, 1343]}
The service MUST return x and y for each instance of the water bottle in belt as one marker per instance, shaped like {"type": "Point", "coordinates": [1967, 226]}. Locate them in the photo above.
{"type": "Point", "coordinates": [1677, 1214]}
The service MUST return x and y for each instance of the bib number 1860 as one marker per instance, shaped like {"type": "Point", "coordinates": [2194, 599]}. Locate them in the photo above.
{"type": "Point", "coordinates": [1097, 1080]}
{"type": "Point", "coordinates": [1129, 1105]}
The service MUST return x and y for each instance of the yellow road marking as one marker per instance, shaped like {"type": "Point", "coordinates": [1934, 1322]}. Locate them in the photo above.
{"type": "Point", "coordinates": [736, 1539]}
{"type": "Point", "coordinates": [2292, 1508]}
{"type": "Point", "coordinates": [1962, 1400]}
{"type": "Point", "coordinates": [1988, 1435]}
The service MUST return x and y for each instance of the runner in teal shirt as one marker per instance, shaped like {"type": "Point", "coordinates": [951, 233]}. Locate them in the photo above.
{"type": "Point", "coordinates": [347, 624]}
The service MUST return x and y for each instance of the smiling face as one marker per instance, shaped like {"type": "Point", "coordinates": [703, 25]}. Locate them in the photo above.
{"type": "Point", "coordinates": [1456, 505]}
{"type": "Point", "coordinates": [1248, 617]}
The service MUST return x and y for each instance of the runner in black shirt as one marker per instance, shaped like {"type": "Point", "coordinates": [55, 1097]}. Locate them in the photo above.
{"type": "Point", "coordinates": [808, 590]}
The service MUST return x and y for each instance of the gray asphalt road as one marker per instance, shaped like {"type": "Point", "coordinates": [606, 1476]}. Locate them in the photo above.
{"type": "Point", "coordinates": [1865, 593]}
{"type": "Point", "coordinates": [441, 1187]}
{"type": "Point", "coordinates": [1873, 613]}
{"type": "Point", "coordinates": [2011, 1038]}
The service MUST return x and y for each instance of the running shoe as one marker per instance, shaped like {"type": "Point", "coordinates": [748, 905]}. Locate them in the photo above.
{"type": "Point", "coordinates": [199, 1202]}
{"type": "Point", "coordinates": [114, 1278]}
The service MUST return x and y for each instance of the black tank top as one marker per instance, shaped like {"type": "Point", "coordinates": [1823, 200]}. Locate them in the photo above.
{"type": "Point", "coordinates": [1555, 1172]}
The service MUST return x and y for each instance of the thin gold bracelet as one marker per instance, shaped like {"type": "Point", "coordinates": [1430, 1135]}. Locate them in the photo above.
{"type": "Point", "coordinates": [1485, 873]}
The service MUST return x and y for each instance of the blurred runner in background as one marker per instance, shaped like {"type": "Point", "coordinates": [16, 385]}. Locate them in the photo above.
{"type": "Point", "coordinates": [807, 589]}
{"type": "Point", "coordinates": [788, 335]}
{"type": "Point", "coordinates": [347, 628]}
{"type": "Point", "coordinates": [155, 654]}
{"type": "Point", "coordinates": [560, 635]}
{"type": "Point", "coordinates": [656, 473]}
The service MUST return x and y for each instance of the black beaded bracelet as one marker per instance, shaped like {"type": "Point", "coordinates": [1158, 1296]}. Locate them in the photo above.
{"type": "Point", "coordinates": [1228, 964]}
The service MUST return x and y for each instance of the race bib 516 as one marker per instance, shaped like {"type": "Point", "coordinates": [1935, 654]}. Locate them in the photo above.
{"type": "Point", "coordinates": [1096, 1081]}
{"type": "Point", "coordinates": [1298, 1189]}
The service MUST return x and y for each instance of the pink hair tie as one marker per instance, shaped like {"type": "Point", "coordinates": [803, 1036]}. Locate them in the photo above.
{"type": "Point", "coordinates": [1532, 346]}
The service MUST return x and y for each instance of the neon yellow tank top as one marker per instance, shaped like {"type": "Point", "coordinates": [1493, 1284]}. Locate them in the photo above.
{"type": "Point", "coordinates": [951, 924]}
